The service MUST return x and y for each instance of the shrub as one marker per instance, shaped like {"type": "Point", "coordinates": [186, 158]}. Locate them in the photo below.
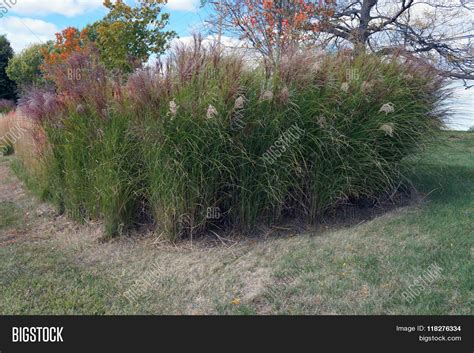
{"type": "Point", "coordinates": [25, 67]}
{"type": "Point", "coordinates": [203, 141]}
{"type": "Point", "coordinates": [471, 129]}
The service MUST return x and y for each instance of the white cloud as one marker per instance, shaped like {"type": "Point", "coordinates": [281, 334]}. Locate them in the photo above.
{"type": "Point", "coordinates": [22, 32]}
{"type": "Point", "coordinates": [183, 5]}
{"type": "Point", "coordinates": [68, 8]}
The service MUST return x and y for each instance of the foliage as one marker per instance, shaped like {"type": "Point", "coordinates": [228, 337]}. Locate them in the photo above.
{"type": "Point", "coordinates": [275, 26]}
{"type": "Point", "coordinates": [68, 41]}
{"type": "Point", "coordinates": [25, 67]}
{"type": "Point", "coordinates": [204, 132]}
{"type": "Point", "coordinates": [127, 36]}
{"type": "Point", "coordinates": [7, 86]}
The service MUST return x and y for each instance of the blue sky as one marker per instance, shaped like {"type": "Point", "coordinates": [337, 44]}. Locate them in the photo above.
{"type": "Point", "coordinates": [33, 21]}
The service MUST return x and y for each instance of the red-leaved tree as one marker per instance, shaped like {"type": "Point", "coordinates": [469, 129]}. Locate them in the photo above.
{"type": "Point", "coordinates": [273, 26]}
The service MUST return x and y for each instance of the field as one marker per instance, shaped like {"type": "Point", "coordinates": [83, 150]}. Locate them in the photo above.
{"type": "Point", "coordinates": [51, 265]}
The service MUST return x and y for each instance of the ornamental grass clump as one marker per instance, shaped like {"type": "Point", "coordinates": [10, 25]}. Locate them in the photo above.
{"type": "Point", "coordinates": [306, 140]}
{"type": "Point", "coordinates": [204, 142]}
{"type": "Point", "coordinates": [91, 160]}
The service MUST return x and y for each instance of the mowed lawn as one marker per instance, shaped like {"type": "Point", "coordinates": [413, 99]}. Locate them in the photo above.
{"type": "Point", "coordinates": [50, 265]}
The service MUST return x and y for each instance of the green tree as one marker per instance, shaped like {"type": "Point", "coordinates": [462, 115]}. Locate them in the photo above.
{"type": "Point", "coordinates": [25, 67]}
{"type": "Point", "coordinates": [7, 86]}
{"type": "Point", "coordinates": [127, 36]}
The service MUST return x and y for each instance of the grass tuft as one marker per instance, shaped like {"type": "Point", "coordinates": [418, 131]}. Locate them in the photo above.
{"type": "Point", "coordinates": [204, 142]}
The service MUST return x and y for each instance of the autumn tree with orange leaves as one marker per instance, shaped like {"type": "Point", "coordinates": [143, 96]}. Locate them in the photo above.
{"type": "Point", "coordinates": [68, 41]}
{"type": "Point", "coordinates": [273, 26]}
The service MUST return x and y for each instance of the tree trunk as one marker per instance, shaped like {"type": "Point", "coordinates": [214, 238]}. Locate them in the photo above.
{"type": "Point", "coordinates": [361, 35]}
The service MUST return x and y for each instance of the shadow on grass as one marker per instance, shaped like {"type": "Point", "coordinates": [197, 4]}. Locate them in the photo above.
{"type": "Point", "coordinates": [446, 185]}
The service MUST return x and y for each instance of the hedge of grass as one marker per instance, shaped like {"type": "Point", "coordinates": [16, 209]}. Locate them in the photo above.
{"type": "Point", "coordinates": [207, 142]}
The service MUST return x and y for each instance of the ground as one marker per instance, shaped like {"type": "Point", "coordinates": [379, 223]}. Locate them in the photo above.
{"type": "Point", "coordinates": [51, 265]}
